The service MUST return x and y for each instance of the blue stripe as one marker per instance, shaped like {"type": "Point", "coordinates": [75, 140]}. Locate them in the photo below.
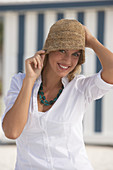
{"type": "Point", "coordinates": [98, 103]}
{"type": "Point", "coordinates": [40, 37]}
{"type": "Point", "coordinates": [60, 16]}
{"type": "Point", "coordinates": [21, 42]}
{"type": "Point", "coordinates": [56, 5]}
{"type": "Point", "coordinates": [80, 18]}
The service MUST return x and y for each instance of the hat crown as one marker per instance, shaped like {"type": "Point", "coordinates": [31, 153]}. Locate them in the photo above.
{"type": "Point", "coordinates": [67, 25]}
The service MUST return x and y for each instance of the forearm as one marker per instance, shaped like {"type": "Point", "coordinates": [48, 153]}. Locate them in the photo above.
{"type": "Point", "coordinates": [105, 56]}
{"type": "Point", "coordinates": [16, 118]}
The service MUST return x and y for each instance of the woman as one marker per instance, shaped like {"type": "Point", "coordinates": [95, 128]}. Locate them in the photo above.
{"type": "Point", "coordinates": [45, 106]}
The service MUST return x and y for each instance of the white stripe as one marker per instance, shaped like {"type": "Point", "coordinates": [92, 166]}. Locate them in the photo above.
{"type": "Point", "coordinates": [10, 48]}
{"type": "Point", "coordinates": [70, 14]}
{"type": "Point", "coordinates": [30, 34]}
{"type": "Point", "coordinates": [50, 19]}
{"type": "Point", "coordinates": [89, 69]}
{"type": "Point", "coordinates": [108, 99]}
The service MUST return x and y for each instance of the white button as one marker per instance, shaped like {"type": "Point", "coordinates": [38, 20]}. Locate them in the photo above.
{"type": "Point", "coordinates": [48, 160]}
{"type": "Point", "coordinates": [45, 142]}
{"type": "Point", "coordinates": [47, 147]}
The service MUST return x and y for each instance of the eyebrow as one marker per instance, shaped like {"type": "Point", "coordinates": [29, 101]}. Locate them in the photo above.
{"type": "Point", "coordinates": [77, 52]}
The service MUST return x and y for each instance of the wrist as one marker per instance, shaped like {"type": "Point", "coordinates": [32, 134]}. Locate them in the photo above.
{"type": "Point", "coordinates": [92, 43]}
{"type": "Point", "coordinates": [29, 81]}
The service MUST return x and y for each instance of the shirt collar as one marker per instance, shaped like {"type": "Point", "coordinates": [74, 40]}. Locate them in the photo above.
{"type": "Point", "coordinates": [65, 80]}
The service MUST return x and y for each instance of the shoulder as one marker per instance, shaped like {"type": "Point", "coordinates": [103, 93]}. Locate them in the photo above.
{"type": "Point", "coordinates": [79, 79]}
{"type": "Point", "coordinates": [82, 82]}
{"type": "Point", "coordinates": [19, 76]}
{"type": "Point", "coordinates": [94, 81]}
{"type": "Point", "coordinates": [17, 80]}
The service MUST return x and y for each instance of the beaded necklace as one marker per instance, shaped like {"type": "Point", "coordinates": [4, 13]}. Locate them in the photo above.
{"type": "Point", "coordinates": [43, 98]}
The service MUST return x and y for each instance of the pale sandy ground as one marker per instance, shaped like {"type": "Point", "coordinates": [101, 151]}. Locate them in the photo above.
{"type": "Point", "coordinates": [101, 157]}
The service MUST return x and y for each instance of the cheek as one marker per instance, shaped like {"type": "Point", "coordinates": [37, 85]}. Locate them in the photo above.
{"type": "Point", "coordinates": [75, 62]}
{"type": "Point", "coordinates": [54, 58]}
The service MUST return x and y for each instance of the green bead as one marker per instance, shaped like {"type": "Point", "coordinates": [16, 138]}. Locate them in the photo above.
{"type": "Point", "coordinates": [58, 95]}
{"type": "Point", "coordinates": [40, 96]}
{"type": "Point", "coordinates": [60, 90]}
{"type": "Point", "coordinates": [55, 99]}
{"type": "Point", "coordinates": [46, 101]}
{"type": "Point", "coordinates": [42, 93]}
{"type": "Point", "coordinates": [42, 101]}
{"type": "Point", "coordinates": [51, 102]}
{"type": "Point", "coordinates": [46, 104]}
{"type": "Point", "coordinates": [39, 93]}
{"type": "Point", "coordinates": [43, 97]}
{"type": "Point", "coordinates": [41, 88]}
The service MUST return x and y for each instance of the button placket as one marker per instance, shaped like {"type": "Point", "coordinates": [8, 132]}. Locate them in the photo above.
{"type": "Point", "coordinates": [46, 142]}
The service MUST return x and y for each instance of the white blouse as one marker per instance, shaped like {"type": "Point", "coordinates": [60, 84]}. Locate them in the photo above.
{"type": "Point", "coordinates": [54, 140]}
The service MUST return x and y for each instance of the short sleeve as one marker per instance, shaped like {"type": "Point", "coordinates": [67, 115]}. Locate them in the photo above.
{"type": "Point", "coordinates": [94, 87]}
{"type": "Point", "coordinates": [101, 83]}
{"type": "Point", "coordinates": [15, 86]}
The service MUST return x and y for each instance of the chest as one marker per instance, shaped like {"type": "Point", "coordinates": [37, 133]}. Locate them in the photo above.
{"type": "Point", "coordinates": [68, 107]}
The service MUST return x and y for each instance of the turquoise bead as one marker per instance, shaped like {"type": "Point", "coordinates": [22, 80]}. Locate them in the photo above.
{"type": "Point", "coordinates": [46, 104]}
{"type": "Point", "coordinates": [55, 99]}
{"type": "Point", "coordinates": [41, 88]}
{"type": "Point", "coordinates": [42, 93]}
{"type": "Point", "coordinates": [46, 101]}
{"type": "Point", "coordinates": [43, 97]}
{"type": "Point", "coordinates": [58, 95]}
{"type": "Point", "coordinates": [39, 92]}
{"type": "Point", "coordinates": [51, 102]}
{"type": "Point", "coordinates": [42, 101]}
{"type": "Point", "coordinates": [40, 96]}
{"type": "Point", "coordinates": [60, 90]}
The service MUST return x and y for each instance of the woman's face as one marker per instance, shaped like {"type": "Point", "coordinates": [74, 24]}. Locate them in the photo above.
{"type": "Point", "coordinates": [62, 62]}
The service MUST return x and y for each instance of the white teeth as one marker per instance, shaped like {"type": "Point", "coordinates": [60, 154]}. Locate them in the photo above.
{"type": "Point", "coordinates": [63, 66]}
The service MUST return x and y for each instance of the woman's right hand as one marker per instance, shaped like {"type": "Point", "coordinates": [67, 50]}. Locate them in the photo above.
{"type": "Point", "coordinates": [34, 65]}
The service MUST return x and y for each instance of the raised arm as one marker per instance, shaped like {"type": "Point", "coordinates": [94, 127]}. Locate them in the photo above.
{"type": "Point", "coordinates": [105, 56]}
{"type": "Point", "coordinates": [16, 118]}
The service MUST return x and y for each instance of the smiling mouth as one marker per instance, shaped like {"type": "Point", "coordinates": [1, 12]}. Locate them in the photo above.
{"type": "Point", "coordinates": [63, 67]}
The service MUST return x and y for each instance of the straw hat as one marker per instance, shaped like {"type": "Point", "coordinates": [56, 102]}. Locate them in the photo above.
{"type": "Point", "coordinates": [66, 34]}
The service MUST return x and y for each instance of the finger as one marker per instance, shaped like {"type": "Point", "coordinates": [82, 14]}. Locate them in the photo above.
{"type": "Point", "coordinates": [42, 57]}
{"type": "Point", "coordinates": [40, 52]}
{"type": "Point", "coordinates": [34, 62]}
{"type": "Point", "coordinates": [31, 61]}
{"type": "Point", "coordinates": [39, 63]}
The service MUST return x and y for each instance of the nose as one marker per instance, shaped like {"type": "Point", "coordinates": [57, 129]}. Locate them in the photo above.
{"type": "Point", "coordinates": [67, 58]}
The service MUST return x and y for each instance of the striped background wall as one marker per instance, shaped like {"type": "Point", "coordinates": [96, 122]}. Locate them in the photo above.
{"type": "Point", "coordinates": [26, 32]}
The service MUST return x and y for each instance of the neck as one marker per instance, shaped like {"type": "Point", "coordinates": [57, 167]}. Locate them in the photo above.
{"type": "Point", "coordinates": [50, 80]}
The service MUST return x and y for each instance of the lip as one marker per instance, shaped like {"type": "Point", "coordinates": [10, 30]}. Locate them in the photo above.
{"type": "Point", "coordinates": [63, 66]}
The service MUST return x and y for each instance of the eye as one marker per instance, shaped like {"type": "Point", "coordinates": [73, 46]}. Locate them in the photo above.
{"type": "Point", "coordinates": [77, 54]}
{"type": "Point", "coordinates": [62, 51]}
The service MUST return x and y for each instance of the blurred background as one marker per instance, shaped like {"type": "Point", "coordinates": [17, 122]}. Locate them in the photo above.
{"type": "Point", "coordinates": [24, 25]}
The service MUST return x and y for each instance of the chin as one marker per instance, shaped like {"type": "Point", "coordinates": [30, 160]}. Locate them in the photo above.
{"type": "Point", "coordinates": [62, 75]}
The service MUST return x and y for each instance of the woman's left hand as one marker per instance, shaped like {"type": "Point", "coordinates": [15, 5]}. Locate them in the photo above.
{"type": "Point", "coordinates": [88, 37]}
{"type": "Point", "coordinates": [104, 55]}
